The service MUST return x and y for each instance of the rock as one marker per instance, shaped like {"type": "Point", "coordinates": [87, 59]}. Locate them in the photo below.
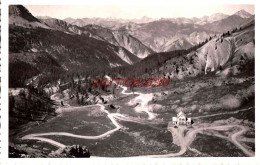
{"type": "Point", "coordinates": [174, 106]}
{"type": "Point", "coordinates": [112, 106]}
{"type": "Point", "coordinates": [165, 93]}
{"type": "Point", "coordinates": [34, 146]}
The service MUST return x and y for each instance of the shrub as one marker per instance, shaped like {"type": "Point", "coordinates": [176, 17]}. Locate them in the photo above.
{"type": "Point", "coordinates": [230, 102]}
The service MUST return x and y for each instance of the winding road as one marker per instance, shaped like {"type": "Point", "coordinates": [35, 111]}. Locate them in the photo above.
{"type": "Point", "coordinates": [185, 141]}
{"type": "Point", "coordinates": [111, 116]}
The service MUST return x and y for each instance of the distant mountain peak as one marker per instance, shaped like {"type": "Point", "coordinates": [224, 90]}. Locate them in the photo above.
{"type": "Point", "coordinates": [212, 18]}
{"type": "Point", "coordinates": [244, 14]}
{"type": "Point", "coordinates": [146, 18]}
{"type": "Point", "coordinates": [218, 15]}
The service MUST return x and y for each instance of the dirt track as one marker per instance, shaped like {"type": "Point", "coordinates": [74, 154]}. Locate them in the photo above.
{"type": "Point", "coordinates": [185, 141]}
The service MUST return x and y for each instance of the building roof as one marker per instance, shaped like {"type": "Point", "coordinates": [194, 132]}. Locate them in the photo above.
{"type": "Point", "coordinates": [181, 114]}
{"type": "Point", "coordinates": [174, 118]}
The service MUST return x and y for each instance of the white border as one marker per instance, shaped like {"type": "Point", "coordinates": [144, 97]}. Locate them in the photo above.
{"type": "Point", "coordinates": [140, 161]}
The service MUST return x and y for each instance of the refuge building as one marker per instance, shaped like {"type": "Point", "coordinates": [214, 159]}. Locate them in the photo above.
{"type": "Point", "coordinates": [181, 119]}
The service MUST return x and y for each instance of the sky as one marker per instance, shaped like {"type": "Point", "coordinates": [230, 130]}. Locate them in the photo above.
{"type": "Point", "coordinates": [135, 12]}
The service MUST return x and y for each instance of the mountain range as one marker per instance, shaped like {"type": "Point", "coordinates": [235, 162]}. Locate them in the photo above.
{"type": "Point", "coordinates": [156, 33]}
{"type": "Point", "coordinates": [45, 44]}
{"type": "Point", "coordinates": [228, 54]}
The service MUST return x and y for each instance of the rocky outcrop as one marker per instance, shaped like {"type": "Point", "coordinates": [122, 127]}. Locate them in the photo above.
{"type": "Point", "coordinates": [20, 16]}
{"type": "Point", "coordinates": [21, 11]}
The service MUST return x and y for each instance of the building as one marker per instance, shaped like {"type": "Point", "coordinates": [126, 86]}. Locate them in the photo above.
{"type": "Point", "coordinates": [188, 122]}
{"type": "Point", "coordinates": [174, 120]}
{"type": "Point", "coordinates": [181, 119]}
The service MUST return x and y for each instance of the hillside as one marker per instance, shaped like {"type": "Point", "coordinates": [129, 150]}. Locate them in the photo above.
{"type": "Point", "coordinates": [20, 16]}
{"type": "Point", "coordinates": [226, 24]}
{"type": "Point", "coordinates": [70, 52]}
{"type": "Point", "coordinates": [158, 35]}
{"type": "Point", "coordinates": [39, 44]}
{"type": "Point", "coordinates": [120, 38]}
{"type": "Point", "coordinates": [96, 87]}
{"type": "Point", "coordinates": [231, 54]}
{"type": "Point", "coordinates": [117, 38]}
{"type": "Point", "coordinates": [178, 45]}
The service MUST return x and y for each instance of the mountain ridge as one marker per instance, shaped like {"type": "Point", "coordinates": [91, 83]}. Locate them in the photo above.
{"type": "Point", "coordinates": [16, 13]}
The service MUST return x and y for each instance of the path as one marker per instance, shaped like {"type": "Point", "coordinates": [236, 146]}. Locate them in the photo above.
{"type": "Point", "coordinates": [234, 140]}
{"type": "Point", "coordinates": [143, 99]}
{"type": "Point", "coordinates": [110, 116]}
{"type": "Point", "coordinates": [185, 141]}
{"type": "Point", "coordinates": [223, 113]}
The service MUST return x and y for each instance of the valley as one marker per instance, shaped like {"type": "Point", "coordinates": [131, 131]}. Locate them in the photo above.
{"type": "Point", "coordinates": [133, 125]}
{"type": "Point", "coordinates": [56, 111]}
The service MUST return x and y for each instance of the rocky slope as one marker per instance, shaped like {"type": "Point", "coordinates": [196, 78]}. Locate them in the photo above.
{"type": "Point", "coordinates": [53, 46]}
{"type": "Point", "coordinates": [159, 35]}
{"type": "Point", "coordinates": [243, 14]}
{"type": "Point", "coordinates": [68, 50]}
{"type": "Point", "coordinates": [97, 32]}
{"type": "Point", "coordinates": [226, 24]}
{"type": "Point", "coordinates": [132, 44]}
{"type": "Point", "coordinates": [120, 38]}
{"type": "Point", "coordinates": [231, 54]}
{"type": "Point", "coordinates": [20, 16]}
{"type": "Point", "coordinates": [178, 44]}
{"type": "Point", "coordinates": [117, 38]}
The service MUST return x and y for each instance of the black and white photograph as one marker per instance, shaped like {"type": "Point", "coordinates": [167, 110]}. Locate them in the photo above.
{"type": "Point", "coordinates": [130, 81]}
